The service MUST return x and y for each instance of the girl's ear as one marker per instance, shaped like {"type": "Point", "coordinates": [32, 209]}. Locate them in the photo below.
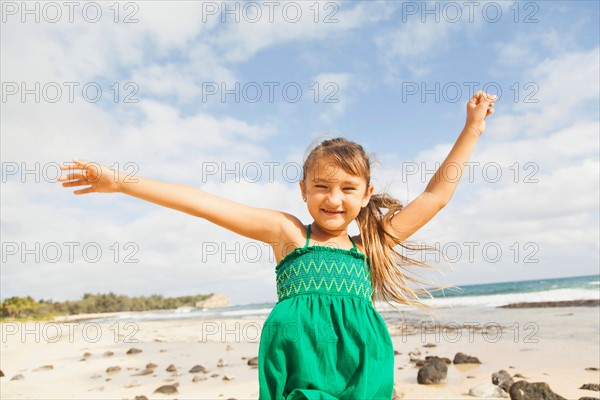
{"type": "Point", "coordinates": [368, 195]}
{"type": "Point", "coordinates": [302, 189]}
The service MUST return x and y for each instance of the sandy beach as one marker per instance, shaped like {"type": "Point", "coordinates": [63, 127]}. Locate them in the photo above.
{"type": "Point", "coordinates": [73, 358]}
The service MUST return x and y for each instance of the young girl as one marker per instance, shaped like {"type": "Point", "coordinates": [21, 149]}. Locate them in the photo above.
{"type": "Point", "coordinates": [323, 339]}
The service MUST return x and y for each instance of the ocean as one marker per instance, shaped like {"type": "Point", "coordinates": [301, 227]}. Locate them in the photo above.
{"type": "Point", "coordinates": [481, 296]}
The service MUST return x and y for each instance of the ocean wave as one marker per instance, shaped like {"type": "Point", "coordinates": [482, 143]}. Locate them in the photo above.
{"type": "Point", "coordinates": [496, 300]}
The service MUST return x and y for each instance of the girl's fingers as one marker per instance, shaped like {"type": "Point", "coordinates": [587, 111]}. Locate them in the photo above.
{"type": "Point", "coordinates": [71, 177]}
{"type": "Point", "coordinates": [74, 183]}
{"type": "Point", "coordinates": [480, 97]}
{"type": "Point", "coordinates": [84, 191]}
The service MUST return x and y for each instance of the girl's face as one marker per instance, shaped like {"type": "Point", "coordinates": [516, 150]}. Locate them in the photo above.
{"type": "Point", "coordinates": [333, 196]}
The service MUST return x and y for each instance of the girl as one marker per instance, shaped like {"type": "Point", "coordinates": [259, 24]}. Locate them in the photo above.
{"type": "Point", "coordinates": [323, 339]}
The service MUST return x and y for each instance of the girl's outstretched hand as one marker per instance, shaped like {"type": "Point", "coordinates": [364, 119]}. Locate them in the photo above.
{"type": "Point", "coordinates": [100, 177]}
{"type": "Point", "coordinates": [478, 108]}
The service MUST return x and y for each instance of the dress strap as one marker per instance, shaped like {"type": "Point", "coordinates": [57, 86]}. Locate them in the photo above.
{"type": "Point", "coordinates": [353, 244]}
{"type": "Point", "coordinates": [307, 236]}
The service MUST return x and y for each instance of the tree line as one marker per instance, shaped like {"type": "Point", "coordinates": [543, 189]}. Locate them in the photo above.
{"type": "Point", "coordinates": [27, 307]}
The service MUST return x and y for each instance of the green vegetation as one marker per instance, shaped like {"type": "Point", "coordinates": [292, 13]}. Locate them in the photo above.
{"type": "Point", "coordinates": [27, 307]}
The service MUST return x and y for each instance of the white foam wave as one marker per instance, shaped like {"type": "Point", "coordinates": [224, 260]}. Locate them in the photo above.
{"type": "Point", "coordinates": [503, 299]}
{"type": "Point", "coordinates": [244, 312]}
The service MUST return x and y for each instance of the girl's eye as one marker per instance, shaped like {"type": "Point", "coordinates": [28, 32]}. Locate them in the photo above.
{"type": "Point", "coordinates": [349, 188]}
{"type": "Point", "coordinates": [321, 186]}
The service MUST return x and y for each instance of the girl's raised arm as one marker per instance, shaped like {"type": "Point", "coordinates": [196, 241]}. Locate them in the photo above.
{"type": "Point", "coordinates": [256, 223]}
{"type": "Point", "coordinates": [439, 190]}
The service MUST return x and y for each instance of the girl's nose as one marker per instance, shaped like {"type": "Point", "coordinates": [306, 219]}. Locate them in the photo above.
{"type": "Point", "coordinates": [334, 199]}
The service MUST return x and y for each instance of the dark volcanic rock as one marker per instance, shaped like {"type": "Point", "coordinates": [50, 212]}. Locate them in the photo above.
{"type": "Point", "coordinates": [591, 386]}
{"type": "Point", "coordinates": [502, 379]}
{"type": "Point", "coordinates": [523, 390]}
{"type": "Point", "coordinates": [461, 358]}
{"type": "Point", "coordinates": [434, 371]}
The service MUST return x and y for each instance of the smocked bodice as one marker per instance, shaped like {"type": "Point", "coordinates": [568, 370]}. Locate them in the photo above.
{"type": "Point", "coordinates": [324, 270]}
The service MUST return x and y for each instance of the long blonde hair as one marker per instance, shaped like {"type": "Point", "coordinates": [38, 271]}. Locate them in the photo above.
{"type": "Point", "coordinates": [390, 274]}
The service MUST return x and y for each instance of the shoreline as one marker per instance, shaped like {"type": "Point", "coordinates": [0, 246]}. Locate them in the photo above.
{"type": "Point", "coordinates": [106, 315]}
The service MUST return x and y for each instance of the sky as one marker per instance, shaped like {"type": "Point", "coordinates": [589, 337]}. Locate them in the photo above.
{"type": "Point", "coordinates": [227, 96]}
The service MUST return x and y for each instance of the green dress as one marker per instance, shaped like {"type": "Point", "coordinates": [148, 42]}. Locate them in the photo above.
{"type": "Point", "coordinates": [324, 339]}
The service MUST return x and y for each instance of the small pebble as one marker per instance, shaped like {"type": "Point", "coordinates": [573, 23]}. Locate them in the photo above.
{"type": "Point", "coordinates": [143, 372]}
{"type": "Point", "coordinates": [134, 350]}
{"type": "Point", "coordinates": [113, 370]}
{"type": "Point", "coordinates": [43, 368]}
{"type": "Point", "coordinates": [108, 354]}
{"type": "Point", "coordinates": [18, 377]}
{"type": "Point", "coordinates": [198, 368]}
{"type": "Point", "coordinates": [167, 389]}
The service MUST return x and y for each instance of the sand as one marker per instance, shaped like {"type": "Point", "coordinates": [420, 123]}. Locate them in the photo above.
{"type": "Point", "coordinates": [554, 346]}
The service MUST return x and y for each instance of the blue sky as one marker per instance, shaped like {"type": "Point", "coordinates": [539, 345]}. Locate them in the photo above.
{"type": "Point", "coordinates": [370, 57]}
